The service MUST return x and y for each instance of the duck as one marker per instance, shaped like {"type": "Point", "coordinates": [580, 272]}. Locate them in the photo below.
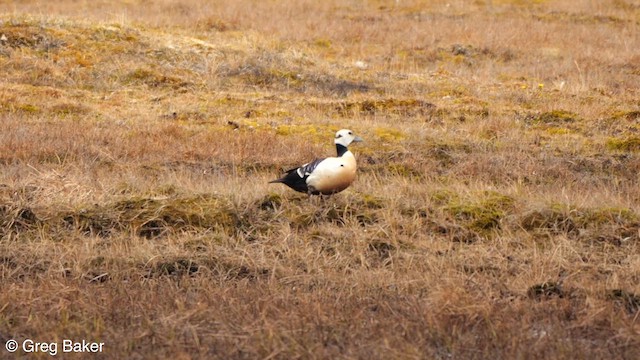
{"type": "Point", "coordinates": [325, 176]}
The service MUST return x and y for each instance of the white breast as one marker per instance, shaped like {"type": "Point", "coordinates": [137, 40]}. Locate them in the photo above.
{"type": "Point", "coordinates": [334, 174]}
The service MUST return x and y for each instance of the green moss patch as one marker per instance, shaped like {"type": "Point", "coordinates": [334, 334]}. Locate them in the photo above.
{"type": "Point", "coordinates": [482, 213]}
{"type": "Point", "coordinates": [628, 144]}
{"type": "Point", "coordinates": [389, 134]}
{"type": "Point", "coordinates": [607, 224]}
{"type": "Point", "coordinates": [627, 115]}
{"type": "Point", "coordinates": [150, 217]}
{"type": "Point", "coordinates": [555, 117]}
{"type": "Point", "coordinates": [341, 211]}
{"type": "Point", "coordinates": [405, 107]}
{"type": "Point", "coordinates": [154, 78]}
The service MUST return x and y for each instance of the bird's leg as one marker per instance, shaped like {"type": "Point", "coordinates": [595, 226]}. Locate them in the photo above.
{"type": "Point", "coordinates": [326, 203]}
{"type": "Point", "coordinates": [310, 191]}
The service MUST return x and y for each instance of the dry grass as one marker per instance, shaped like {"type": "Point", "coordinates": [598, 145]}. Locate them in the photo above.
{"type": "Point", "coordinates": [495, 215]}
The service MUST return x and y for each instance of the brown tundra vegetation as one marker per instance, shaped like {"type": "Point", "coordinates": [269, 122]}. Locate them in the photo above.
{"type": "Point", "coordinates": [496, 213]}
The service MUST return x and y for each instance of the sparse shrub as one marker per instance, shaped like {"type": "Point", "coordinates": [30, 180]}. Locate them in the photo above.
{"type": "Point", "coordinates": [216, 24]}
{"type": "Point", "coordinates": [154, 78]}
{"type": "Point", "coordinates": [175, 267]}
{"type": "Point", "coordinates": [601, 224]}
{"type": "Point", "coordinates": [370, 201]}
{"type": "Point", "coordinates": [179, 266]}
{"type": "Point", "coordinates": [546, 291]}
{"type": "Point", "coordinates": [114, 33]}
{"type": "Point", "coordinates": [67, 109]}
{"type": "Point", "coordinates": [16, 218]}
{"type": "Point", "coordinates": [403, 107]}
{"type": "Point", "coordinates": [627, 115]}
{"type": "Point", "coordinates": [360, 211]}
{"type": "Point", "coordinates": [628, 300]}
{"type": "Point", "coordinates": [608, 215]}
{"type": "Point", "coordinates": [90, 221]}
{"type": "Point", "coordinates": [553, 220]}
{"type": "Point", "coordinates": [383, 249]}
{"type": "Point", "coordinates": [453, 232]}
{"type": "Point", "coordinates": [447, 153]}
{"type": "Point", "coordinates": [404, 170]}
{"type": "Point", "coordinates": [271, 201]}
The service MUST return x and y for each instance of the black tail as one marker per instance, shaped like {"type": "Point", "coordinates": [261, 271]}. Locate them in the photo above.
{"type": "Point", "coordinates": [294, 181]}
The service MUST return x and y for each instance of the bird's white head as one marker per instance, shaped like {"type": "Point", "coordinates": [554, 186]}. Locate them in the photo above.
{"type": "Point", "coordinates": [345, 137]}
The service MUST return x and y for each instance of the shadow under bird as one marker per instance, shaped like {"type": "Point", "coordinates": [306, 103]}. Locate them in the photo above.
{"type": "Point", "coordinates": [325, 176]}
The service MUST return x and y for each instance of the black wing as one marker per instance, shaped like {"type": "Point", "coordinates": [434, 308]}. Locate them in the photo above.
{"type": "Point", "coordinates": [296, 178]}
{"type": "Point", "coordinates": [305, 170]}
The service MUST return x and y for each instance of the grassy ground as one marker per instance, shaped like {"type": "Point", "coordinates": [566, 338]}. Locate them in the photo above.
{"type": "Point", "coordinates": [495, 215]}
